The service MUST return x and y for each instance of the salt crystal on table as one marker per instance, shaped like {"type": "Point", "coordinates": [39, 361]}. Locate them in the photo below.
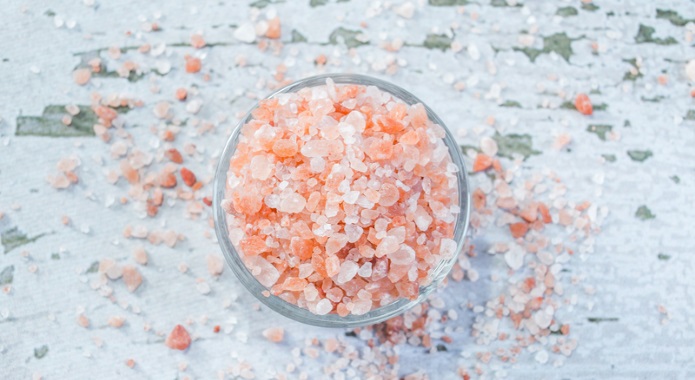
{"type": "Point", "coordinates": [215, 265]}
{"type": "Point", "coordinates": [274, 334]}
{"type": "Point", "coordinates": [131, 277]}
{"type": "Point", "coordinates": [245, 33]}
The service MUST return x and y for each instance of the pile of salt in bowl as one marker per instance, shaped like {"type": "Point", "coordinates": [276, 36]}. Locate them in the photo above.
{"type": "Point", "coordinates": [341, 198]}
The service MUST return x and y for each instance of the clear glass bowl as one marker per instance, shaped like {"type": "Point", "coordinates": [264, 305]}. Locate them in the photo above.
{"type": "Point", "coordinates": [333, 320]}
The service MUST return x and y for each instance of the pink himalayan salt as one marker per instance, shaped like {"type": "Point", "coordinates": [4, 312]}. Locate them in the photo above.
{"type": "Point", "coordinates": [131, 277]}
{"type": "Point", "coordinates": [178, 339]}
{"type": "Point", "coordinates": [341, 210]}
{"type": "Point", "coordinates": [140, 255]}
{"type": "Point", "coordinates": [274, 334]}
{"type": "Point", "coordinates": [215, 265]}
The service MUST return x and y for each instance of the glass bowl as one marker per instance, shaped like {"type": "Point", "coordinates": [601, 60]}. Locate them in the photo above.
{"type": "Point", "coordinates": [437, 274]}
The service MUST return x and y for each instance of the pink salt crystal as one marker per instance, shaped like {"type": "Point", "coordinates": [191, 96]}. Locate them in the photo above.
{"type": "Point", "coordinates": [404, 256]}
{"type": "Point", "coordinates": [116, 321]}
{"type": "Point", "coordinates": [131, 277]}
{"type": "Point", "coordinates": [260, 167]}
{"type": "Point", "coordinates": [365, 270]}
{"type": "Point", "coordinates": [215, 265]}
{"type": "Point", "coordinates": [82, 321]}
{"type": "Point", "coordinates": [170, 238]}
{"type": "Point", "coordinates": [361, 307]}
{"type": "Point", "coordinates": [380, 269]}
{"type": "Point", "coordinates": [264, 272]}
{"type": "Point", "coordinates": [335, 243]}
{"type": "Point", "coordinates": [82, 76]}
{"type": "Point", "coordinates": [274, 334]}
{"type": "Point", "coordinates": [178, 339]}
{"type": "Point", "coordinates": [324, 307]}
{"type": "Point", "coordinates": [140, 255]}
{"type": "Point", "coordinates": [388, 245]}
{"type": "Point", "coordinates": [161, 110]}
{"type": "Point", "coordinates": [423, 220]}
{"type": "Point", "coordinates": [353, 232]}
{"type": "Point", "coordinates": [67, 164]}
{"type": "Point", "coordinates": [334, 294]}
{"type": "Point", "coordinates": [332, 265]}
{"type": "Point", "coordinates": [447, 248]}
{"type": "Point", "coordinates": [292, 203]}
{"type": "Point", "coordinates": [310, 292]}
{"type": "Point", "coordinates": [388, 195]}
{"type": "Point", "coordinates": [348, 270]}
{"type": "Point", "coordinates": [110, 268]}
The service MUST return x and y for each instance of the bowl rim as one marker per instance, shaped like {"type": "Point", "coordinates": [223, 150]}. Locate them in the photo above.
{"type": "Point", "coordinates": [303, 315]}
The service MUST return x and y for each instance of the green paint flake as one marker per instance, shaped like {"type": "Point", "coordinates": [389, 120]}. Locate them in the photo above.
{"type": "Point", "coordinates": [602, 319]}
{"type": "Point", "coordinates": [690, 115]}
{"type": "Point", "coordinates": [317, 3]}
{"type": "Point", "coordinates": [663, 257]}
{"type": "Point", "coordinates": [591, 7]}
{"type": "Point", "coordinates": [673, 17]}
{"type": "Point", "coordinates": [437, 41]}
{"type": "Point", "coordinates": [7, 275]}
{"type": "Point", "coordinates": [569, 105]}
{"type": "Point", "coordinates": [297, 37]}
{"type": "Point", "coordinates": [49, 13]}
{"type": "Point", "coordinates": [55, 256]}
{"type": "Point", "coordinates": [676, 179]}
{"type": "Point", "coordinates": [441, 347]}
{"type": "Point", "coordinates": [511, 104]}
{"type": "Point", "coordinates": [465, 148]}
{"type": "Point", "coordinates": [93, 268]}
{"type": "Point", "coordinates": [609, 157]}
{"type": "Point", "coordinates": [644, 213]}
{"type": "Point", "coordinates": [599, 130]}
{"type": "Point", "coordinates": [558, 43]}
{"type": "Point", "coordinates": [645, 35]}
{"type": "Point", "coordinates": [639, 155]}
{"type": "Point", "coordinates": [600, 107]}
{"type": "Point", "coordinates": [447, 3]}
{"type": "Point", "coordinates": [629, 75]}
{"type": "Point", "coordinates": [40, 352]}
{"type": "Point", "coordinates": [514, 144]}
{"type": "Point", "coordinates": [504, 3]}
{"type": "Point", "coordinates": [50, 123]}
{"type": "Point", "coordinates": [14, 238]}
{"type": "Point", "coordinates": [349, 37]}
{"type": "Point", "coordinates": [260, 4]}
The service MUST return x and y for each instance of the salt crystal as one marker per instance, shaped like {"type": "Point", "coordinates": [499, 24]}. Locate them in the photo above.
{"type": "Point", "coordinates": [348, 270]}
{"type": "Point", "coordinates": [335, 243]}
{"type": "Point", "coordinates": [351, 197]}
{"type": "Point", "coordinates": [353, 232]}
{"type": "Point", "coordinates": [261, 167]}
{"type": "Point", "coordinates": [404, 256]}
{"type": "Point", "coordinates": [274, 334]}
{"type": "Point", "coordinates": [316, 148]}
{"type": "Point", "coordinates": [292, 203]}
{"type": "Point", "coordinates": [690, 70]}
{"type": "Point", "coordinates": [203, 287]}
{"type": "Point", "coordinates": [541, 356]}
{"type": "Point", "coordinates": [405, 10]}
{"type": "Point", "coordinates": [245, 33]}
{"type": "Point", "coordinates": [423, 220]}
{"type": "Point", "coordinates": [387, 245]}
{"type": "Point", "coordinates": [447, 248]}
{"type": "Point", "coordinates": [488, 146]}
{"type": "Point", "coordinates": [365, 270]}
{"type": "Point", "coordinates": [324, 307]}
{"type": "Point", "coordinates": [317, 164]}
{"type": "Point", "coordinates": [514, 257]}
{"type": "Point", "coordinates": [215, 265]}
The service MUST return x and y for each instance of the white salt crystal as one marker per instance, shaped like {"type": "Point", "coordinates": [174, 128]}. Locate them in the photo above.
{"type": "Point", "coordinates": [245, 33]}
{"type": "Point", "coordinates": [324, 307]}
{"type": "Point", "coordinates": [353, 232]}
